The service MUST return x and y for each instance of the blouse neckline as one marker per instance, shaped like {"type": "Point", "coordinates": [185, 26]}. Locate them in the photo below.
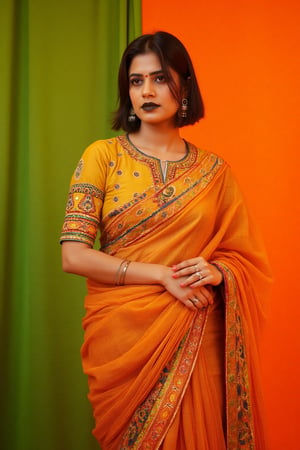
{"type": "Point", "coordinates": [146, 155]}
{"type": "Point", "coordinates": [162, 173]}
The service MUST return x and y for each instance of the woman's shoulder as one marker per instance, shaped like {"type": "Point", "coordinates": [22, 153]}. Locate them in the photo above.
{"type": "Point", "coordinates": [102, 149]}
{"type": "Point", "coordinates": [205, 154]}
{"type": "Point", "coordinates": [104, 145]}
{"type": "Point", "coordinates": [96, 158]}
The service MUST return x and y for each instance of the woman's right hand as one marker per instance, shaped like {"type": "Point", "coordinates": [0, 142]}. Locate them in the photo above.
{"type": "Point", "coordinates": [192, 298]}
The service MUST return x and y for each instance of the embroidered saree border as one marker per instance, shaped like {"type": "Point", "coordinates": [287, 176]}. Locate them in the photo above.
{"type": "Point", "coordinates": [166, 201]}
{"type": "Point", "coordinates": [240, 425]}
{"type": "Point", "coordinates": [151, 421]}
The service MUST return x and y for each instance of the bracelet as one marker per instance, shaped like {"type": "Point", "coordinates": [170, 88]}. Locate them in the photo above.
{"type": "Point", "coordinates": [117, 277]}
{"type": "Point", "coordinates": [121, 272]}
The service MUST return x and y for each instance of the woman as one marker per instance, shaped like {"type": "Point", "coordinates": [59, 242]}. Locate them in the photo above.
{"type": "Point", "coordinates": [176, 293]}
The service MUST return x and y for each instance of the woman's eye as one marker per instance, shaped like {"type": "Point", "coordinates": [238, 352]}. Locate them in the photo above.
{"type": "Point", "coordinates": [160, 79]}
{"type": "Point", "coordinates": [135, 81]}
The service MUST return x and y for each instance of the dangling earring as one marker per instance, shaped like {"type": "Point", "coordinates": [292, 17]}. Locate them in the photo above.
{"type": "Point", "coordinates": [184, 108]}
{"type": "Point", "coordinates": [132, 116]}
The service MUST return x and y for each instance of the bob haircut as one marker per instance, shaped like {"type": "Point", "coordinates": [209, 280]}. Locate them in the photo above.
{"type": "Point", "coordinates": [172, 54]}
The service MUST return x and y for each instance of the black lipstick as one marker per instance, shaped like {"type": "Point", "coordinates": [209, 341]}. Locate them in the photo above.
{"type": "Point", "coordinates": [149, 106]}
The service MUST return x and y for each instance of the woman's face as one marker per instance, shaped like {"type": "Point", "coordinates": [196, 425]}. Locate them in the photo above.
{"type": "Point", "coordinates": [149, 92]}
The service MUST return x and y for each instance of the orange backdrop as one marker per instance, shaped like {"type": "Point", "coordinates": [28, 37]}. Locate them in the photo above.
{"type": "Point", "coordinates": [246, 55]}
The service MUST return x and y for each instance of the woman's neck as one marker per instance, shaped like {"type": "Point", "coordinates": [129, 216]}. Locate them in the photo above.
{"type": "Point", "coordinates": [161, 142]}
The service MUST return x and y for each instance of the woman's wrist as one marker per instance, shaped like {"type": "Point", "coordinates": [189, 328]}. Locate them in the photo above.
{"type": "Point", "coordinates": [144, 273]}
{"type": "Point", "coordinates": [163, 273]}
{"type": "Point", "coordinates": [218, 272]}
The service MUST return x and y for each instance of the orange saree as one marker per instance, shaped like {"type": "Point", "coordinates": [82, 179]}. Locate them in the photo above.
{"type": "Point", "coordinates": [161, 376]}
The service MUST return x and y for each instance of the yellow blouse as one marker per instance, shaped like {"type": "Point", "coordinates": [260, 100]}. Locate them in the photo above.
{"type": "Point", "coordinates": [111, 176]}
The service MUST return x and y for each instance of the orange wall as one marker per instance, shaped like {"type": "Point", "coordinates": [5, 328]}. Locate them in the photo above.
{"type": "Point", "coordinates": [246, 56]}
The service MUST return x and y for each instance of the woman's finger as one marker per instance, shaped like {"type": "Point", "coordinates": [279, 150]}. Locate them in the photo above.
{"type": "Point", "coordinates": [189, 264]}
{"type": "Point", "coordinates": [189, 267]}
{"type": "Point", "coordinates": [197, 303]}
{"type": "Point", "coordinates": [204, 295]}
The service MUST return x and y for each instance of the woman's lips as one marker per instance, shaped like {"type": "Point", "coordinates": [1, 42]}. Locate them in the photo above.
{"type": "Point", "coordinates": [149, 106]}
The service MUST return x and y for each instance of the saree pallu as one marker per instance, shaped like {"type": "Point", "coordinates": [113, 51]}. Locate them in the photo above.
{"type": "Point", "coordinates": [144, 352]}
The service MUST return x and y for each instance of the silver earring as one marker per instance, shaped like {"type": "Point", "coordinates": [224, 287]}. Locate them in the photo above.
{"type": "Point", "coordinates": [184, 108]}
{"type": "Point", "coordinates": [132, 116]}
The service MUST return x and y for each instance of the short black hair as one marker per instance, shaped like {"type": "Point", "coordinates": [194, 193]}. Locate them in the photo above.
{"type": "Point", "coordinates": [172, 54]}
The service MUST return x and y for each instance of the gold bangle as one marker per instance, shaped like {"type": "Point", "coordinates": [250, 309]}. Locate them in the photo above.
{"type": "Point", "coordinates": [121, 272]}
{"type": "Point", "coordinates": [117, 277]}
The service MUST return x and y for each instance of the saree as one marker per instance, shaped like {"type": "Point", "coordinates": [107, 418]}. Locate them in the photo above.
{"type": "Point", "coordinates": [160, 375]}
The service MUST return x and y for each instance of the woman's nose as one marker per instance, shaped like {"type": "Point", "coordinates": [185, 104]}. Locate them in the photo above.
{"type": "Point", "coordinates": [148, 88]}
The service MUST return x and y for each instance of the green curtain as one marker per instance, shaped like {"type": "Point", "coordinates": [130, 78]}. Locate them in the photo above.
{"type": "Point", "coordinates": [58, 86]}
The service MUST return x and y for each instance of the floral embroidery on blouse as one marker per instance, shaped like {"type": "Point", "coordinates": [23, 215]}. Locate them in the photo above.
{"type": "Point", "coordinates": [79, 169]}
{"type": "Point", "coordinates": [82, 213]}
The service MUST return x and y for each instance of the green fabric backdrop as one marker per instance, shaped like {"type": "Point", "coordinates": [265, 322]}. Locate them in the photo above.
{"type": "Point", "coordinates": [58, 74]}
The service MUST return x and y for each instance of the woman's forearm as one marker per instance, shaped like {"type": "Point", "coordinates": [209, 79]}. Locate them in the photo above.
{"type": "Point", "coordinates": [80, 259]}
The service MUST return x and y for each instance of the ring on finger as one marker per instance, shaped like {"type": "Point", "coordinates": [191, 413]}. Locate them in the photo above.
{"type": "Point", "coordinates": [194, 300]}
{"type": "Point", "coordinates": [199, 275]}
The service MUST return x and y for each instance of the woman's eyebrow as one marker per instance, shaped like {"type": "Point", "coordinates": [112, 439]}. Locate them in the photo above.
{"type": "Point", "coordinates": [156, 72]}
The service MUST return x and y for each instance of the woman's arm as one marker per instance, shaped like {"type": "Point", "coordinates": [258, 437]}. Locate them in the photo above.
{"type": "Point", "coordinates": [80, 259]}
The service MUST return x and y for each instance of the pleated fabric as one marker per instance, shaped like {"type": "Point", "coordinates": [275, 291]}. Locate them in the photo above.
{"type": "Point", "coordinates": [201, 421]}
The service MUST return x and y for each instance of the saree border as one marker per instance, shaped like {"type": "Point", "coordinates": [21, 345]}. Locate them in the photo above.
{"type": "Point", "coordinates": [153, 418]}
{"type": "Point", "coordinates": [165, 201]}
{"type": "Point", "coordinates": [240, 424]}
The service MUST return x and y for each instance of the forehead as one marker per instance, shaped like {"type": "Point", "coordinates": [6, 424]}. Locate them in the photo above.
{"type": "Point", "coordinates": [148, 63]}
{"type": "Point", "coordinates": [145, 63]}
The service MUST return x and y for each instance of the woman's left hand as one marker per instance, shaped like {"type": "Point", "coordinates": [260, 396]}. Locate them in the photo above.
{"type": "Point", "coordinates": [199, 272]}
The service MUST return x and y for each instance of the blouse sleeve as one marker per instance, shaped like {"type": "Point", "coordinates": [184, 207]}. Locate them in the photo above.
{"type": "Point", "coordinates": [86, 195]}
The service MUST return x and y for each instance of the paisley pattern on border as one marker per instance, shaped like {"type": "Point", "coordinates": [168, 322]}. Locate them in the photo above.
{"type": "Point", "coordinates": [240, 432]}
{"type": "Point", "coordinates": [153, 418]}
